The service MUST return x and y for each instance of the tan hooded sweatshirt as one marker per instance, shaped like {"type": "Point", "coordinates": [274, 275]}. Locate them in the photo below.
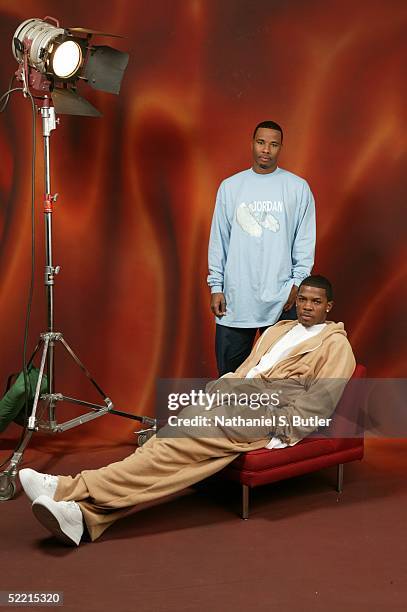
{"type": "Point", "coordinates": [310, 379]}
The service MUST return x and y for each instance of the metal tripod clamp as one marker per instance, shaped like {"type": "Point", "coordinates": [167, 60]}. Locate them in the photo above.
{"type": "Point", "coordinates": [50, 272]}
{"type": "Point", "coordinates": [49, 201]}
{"type": "Point", "coordinates": [51, 336]}
{"type": "Point", "coordinates": [49, 120]}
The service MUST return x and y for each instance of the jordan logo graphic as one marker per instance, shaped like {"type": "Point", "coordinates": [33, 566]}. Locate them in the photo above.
{"type": "Point", "coordinates": [253, 218]}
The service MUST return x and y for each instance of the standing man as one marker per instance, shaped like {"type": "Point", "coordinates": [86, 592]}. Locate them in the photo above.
{"type": "Point", "coordinates": [261, 247]}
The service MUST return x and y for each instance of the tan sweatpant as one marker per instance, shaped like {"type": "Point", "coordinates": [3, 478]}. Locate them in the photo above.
{"type": "Point", "coordinates": [161, 467]}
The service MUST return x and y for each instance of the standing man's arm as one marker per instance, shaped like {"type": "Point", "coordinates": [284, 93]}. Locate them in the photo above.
{"type": "Point", "coordinates": [217, 254]}
{"type": "Point", "coordinates": [303, 249]}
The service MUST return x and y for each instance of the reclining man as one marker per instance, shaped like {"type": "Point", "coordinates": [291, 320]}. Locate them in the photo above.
{"type": "Point", "coordinates": [311, 358]}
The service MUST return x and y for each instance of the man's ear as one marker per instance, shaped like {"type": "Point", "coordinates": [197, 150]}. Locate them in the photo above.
{"type": "Point", "coordinates": [329, 306]}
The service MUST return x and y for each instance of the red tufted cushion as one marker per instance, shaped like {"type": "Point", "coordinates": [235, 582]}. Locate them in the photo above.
{"type": "Point", "coordinates": [306, 449]}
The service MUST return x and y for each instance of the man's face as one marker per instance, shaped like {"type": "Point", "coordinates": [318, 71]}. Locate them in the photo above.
{"type": "Point", "coordinates": [266, 148]}
{"type": "Point", "coordinates": [312, 305]}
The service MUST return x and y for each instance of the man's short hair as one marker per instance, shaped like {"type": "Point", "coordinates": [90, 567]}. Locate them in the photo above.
{"type": "Point", "coordinates": [270, 125]}
{"type": "Point", "coordinates": [316, 280]}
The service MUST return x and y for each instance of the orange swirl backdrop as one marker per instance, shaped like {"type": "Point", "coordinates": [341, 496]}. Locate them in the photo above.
{"type": "Point", "coordinates": [137, 187]}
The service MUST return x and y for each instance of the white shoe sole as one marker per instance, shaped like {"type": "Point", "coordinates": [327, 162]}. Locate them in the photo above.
{"type": "Point", "coordinates": [50, 522]}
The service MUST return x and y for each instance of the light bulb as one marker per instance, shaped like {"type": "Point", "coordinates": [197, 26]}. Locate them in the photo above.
{"type": "Point", "coordinates": [67, 59]}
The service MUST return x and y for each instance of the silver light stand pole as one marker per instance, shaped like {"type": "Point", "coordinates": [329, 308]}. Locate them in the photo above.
{"type": "Point", "coordinates": [50, 338]}
{"type": "Point", "coordinates": [47, 343]}
{"type": "Point", "coordinates": [49, 123]}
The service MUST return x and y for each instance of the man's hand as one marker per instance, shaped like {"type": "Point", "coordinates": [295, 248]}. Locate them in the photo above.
{"type": "Point", "coordinates": [218, 304]}
{"type": "Point", "coordinates": [291, 298]}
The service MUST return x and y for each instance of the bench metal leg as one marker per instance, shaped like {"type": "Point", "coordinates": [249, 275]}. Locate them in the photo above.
{"type": "Point", "coordinates": [245, 502]}
{"type": "Point", "coordinates": [339, 478]}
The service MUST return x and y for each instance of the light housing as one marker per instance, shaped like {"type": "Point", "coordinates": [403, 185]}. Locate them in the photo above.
{"type": "Point", "coordinates": [54, 59]}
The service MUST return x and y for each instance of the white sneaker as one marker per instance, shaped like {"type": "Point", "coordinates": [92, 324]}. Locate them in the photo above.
{"type": "Point", "coordinates": [36, 484]}
{"type": "Point", "coordinates": [63, 519]}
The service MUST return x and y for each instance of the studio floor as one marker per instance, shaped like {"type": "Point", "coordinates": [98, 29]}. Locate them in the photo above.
{"type": "Point", "coordinates": [303, 548]}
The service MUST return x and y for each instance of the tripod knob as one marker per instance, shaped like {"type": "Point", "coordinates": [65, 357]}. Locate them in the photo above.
{"type": "Point", "coordinates": [57, 269]}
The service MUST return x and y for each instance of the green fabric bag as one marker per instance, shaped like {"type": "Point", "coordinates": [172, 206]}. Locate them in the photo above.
{"type": "Point", "coordinates": [12, 403]}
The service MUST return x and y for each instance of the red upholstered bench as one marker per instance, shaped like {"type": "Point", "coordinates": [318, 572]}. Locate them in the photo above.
{"type": "Point", "coordinates": [264, 466]}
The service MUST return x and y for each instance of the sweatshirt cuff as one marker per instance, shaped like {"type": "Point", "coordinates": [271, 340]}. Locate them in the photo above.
{"type": "Point", "coordinates": [216, 289]}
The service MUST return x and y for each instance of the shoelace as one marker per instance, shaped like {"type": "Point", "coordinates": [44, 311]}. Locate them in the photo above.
{"type": "Point", "coordinates": [74, 510]}
{"type": "Point", "coordinates": [72, 505]}
{"type": "Point", "coordinates": [49, 480]}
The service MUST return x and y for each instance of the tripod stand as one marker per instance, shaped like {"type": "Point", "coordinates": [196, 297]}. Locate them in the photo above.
{"type": "Point", "coordinates": [47, 345]}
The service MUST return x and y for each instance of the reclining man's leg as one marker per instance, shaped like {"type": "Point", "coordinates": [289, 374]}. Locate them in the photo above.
{"type": "Point", "coordinates": [159, 468]}
{"type": "Point", "coordinates": [162, 466]}
{"type": "Point", "coordinates": [167, 463]}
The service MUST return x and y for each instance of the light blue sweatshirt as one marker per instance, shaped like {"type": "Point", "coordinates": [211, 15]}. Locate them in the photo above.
{"type": "Point", "coordinates": [262, 242]}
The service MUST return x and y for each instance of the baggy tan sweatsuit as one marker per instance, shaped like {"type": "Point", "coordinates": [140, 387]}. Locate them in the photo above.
{"type": "Point", "coordinates": [313, 375]}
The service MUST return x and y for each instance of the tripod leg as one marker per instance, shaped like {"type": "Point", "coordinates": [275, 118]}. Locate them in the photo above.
{"type": "Point", "coordinates": [83, 368]}
{"type": "Point", "coordinates": [31, 420]}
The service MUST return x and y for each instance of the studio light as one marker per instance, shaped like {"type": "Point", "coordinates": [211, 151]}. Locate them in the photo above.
{"type": "Point", "coordinates": [52, 62]}
{"type": "Point", "coordinates": [54, 59]}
